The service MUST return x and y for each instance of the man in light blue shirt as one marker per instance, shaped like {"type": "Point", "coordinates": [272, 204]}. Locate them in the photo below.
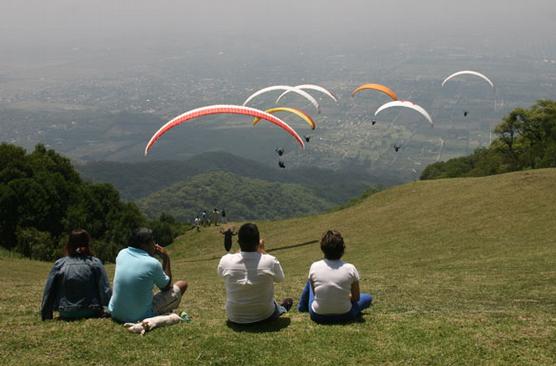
{"type": "Point", "coordinates": [137, 272]}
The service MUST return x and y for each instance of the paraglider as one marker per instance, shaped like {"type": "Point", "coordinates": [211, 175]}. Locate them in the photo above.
{"type": "Point", "coordinates": [397, 147]}
{"type": "Point", "coordinates": [406, 104]}
{"type": "Point", "coordinates": [310, 87]}
{"type": "Point", "coordinates": [281, 164]}
{"type": "Point", "coordinates": [307, 138]}
{"type": "Point", "coordinates": [304, 116]}
{"type": "Point", "coordinates": [469, 72]}
{"type": "Point", "coordinates": [373, 122]}
{"type": "Point", "coordinates": [221, 109]}
{"type": "Point", "coordinates": [279, 151]}
{"type": "Point", "coordinates": [465, 113]}
{"type": "Point", "coordinates": [378, 87]}
{"type": "Point", "coordinates": [286, 88]}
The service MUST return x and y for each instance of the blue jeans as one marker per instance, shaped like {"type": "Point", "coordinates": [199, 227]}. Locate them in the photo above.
{"type": "Point", "coordinates": [279, 310]}
{"type": "Point", "coordinates": [306, 300]}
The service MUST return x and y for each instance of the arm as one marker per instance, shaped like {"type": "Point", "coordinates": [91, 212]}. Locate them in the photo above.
{"type": "Point", "coordinates": [103, 285]}
{"type": "Point", "coordinates": [165, 264]}
{"type": "Point", "coordinates": [355, 291]}
{"type": "Point", "coordinates": [278, 272]}
{"type": "Point", "coordinates": [49, 295]}
{"type": "Point", "coordinates": [260, 248]}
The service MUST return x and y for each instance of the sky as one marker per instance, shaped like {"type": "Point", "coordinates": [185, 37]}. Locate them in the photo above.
{"type": "Point", "coordinates": [40, 23]}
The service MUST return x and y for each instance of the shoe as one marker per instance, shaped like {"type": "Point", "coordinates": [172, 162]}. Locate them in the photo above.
{"type": "Point", "coordinates": [287, 303]}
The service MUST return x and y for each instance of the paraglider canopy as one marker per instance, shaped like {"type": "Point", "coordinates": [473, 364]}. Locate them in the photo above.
{"type": "Point", "coordinates": [310, 87]}
{"type": "Point", "coordinates": [221, 109]}
{"type": "Point", "coordinates": [298, 112]}
{"type": "Point", "coordinates": [293, 89]}
{"type": "Point", "coordinates": [406, 104]}
{"type": "Point", "coordinates": [469, 72]}
{"type": "Point", "coordinates": [378, 87]}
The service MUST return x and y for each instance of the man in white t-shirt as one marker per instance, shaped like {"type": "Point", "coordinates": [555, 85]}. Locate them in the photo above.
{"type": "Point", "coordinates": [249, 278]}
{"type": "Point", "coordinates": [332, 294]}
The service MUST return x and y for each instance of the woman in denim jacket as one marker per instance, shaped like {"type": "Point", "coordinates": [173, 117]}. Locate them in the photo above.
{"type": "Point", "coordinates": [77, 286]}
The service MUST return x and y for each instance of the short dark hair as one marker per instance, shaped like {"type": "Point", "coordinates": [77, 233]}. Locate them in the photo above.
{"type": "Point", "coordinates": [332, 245]}
{"type": "Point", "coordinates": [78, 243]}
{"type": "Point", "coordinates": [248, 237]}
{"type": "Point", "coordinates": [141, 236]}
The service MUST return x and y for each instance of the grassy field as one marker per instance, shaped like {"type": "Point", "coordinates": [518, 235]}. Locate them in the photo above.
{"type": "Point", "coordinates": [463, 271]}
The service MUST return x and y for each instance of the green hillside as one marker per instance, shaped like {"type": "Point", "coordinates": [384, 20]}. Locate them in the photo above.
{"type": "Point", "coordinates": [140, 179]}
{"type": "Point", "coordinates": [242, 198]}
{"type": "Point", "coordinates": [463, 271]}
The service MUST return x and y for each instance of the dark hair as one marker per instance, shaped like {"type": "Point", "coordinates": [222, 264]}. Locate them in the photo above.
{"type": "Point", "coordinates": [78, 243]}
{"type": "Point", "coordinates": [248, 237]}
{"type": "Point", "coordinates": [141, 236]}
{"type": "Point", "coordinates": [332, 245]}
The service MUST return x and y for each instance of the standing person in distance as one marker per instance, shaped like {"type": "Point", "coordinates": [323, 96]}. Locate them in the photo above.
{"type": "Point", "coordinates": [215, 216]}
{"type": "Point", "coordinates": [77, 286]}
{"type": "Point", "coordinates": [229, 233]}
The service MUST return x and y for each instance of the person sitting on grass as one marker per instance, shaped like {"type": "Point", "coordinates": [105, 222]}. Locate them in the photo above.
{"type": "Point", "coordinates": [77, 286]}
{"type": "Point", "coordinates": [331, 295]}
{"type": "Point", "coordinates": [137, 272]}
{"type": "Point", "coordinates": [249, 278]}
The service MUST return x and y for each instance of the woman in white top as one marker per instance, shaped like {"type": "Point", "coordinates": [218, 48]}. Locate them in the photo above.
{"type": "Point", "coordinates": [331, 294]}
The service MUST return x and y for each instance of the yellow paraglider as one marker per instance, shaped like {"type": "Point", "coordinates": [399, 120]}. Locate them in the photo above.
{"type": "Point", "coordinates": [378, 87]}
{"type": "Point", "coordinates": [304, 116]}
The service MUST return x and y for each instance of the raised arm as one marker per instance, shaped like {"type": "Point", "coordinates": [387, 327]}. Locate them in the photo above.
{"type": "Point", "coordinates": [165, 264]}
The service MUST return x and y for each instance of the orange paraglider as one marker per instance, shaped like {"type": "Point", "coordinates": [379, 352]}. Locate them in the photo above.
{"type": "Point", "coordinates": [378, 87]}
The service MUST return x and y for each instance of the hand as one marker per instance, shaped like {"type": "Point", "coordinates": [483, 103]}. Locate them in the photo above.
{"type": "Point", "coordinates": [260, 249]}
{"type": "Point", "coordinates": [160, 250]}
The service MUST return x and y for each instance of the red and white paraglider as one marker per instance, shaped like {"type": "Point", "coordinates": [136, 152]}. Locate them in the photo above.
{"type": "Point", "coordinates": [221, 109]}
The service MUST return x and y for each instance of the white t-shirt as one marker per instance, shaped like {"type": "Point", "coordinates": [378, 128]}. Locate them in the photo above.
{"type": "Point", "coordinates": [332, 280]}
{"type": "Point", "coordinates": [249, 280]}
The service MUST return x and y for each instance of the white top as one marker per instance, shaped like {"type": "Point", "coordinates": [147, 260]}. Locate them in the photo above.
{"type": "Point", "coordinates": [249, 280]}
{"type": "Point", "coordinates": [332, 280]}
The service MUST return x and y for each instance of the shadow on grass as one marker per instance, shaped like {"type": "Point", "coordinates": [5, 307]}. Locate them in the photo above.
{"type": "Point", "coordinates": [360, 320]}
{"type": "Point", "coordinates": [262, 327]}
{"type": "Point", "coordinates": [292, 246]}
{"type": "Point", "coordinates": [216, 257]}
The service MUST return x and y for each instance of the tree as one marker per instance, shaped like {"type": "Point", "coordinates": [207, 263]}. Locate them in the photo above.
{"type": "Point", "coordinates": [42, 198]}
{"type": "Point", "coordinates": [526, 140]}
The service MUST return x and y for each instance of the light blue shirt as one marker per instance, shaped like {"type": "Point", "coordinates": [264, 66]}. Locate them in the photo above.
{"type": "Point", "coordinates": [136, 275]}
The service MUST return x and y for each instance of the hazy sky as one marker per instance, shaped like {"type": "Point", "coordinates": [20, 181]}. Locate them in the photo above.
{"type": "Point", "coordinates": [28, 23]}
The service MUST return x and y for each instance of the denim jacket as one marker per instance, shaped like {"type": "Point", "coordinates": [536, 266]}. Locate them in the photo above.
{"type": "Point", "coordinates": [75, 283]}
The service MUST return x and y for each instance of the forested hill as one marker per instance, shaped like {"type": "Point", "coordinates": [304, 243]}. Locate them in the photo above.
{"type": "Point", "coordinates": [526, 139]}
{"type": "Point", "coordinates": [242, 198]}
{"type": "Point", "coordinates": [138, 180]}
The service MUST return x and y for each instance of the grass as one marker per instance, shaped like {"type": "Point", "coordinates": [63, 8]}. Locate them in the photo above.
{"type": "Point", "coordinates": [463, 272]}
